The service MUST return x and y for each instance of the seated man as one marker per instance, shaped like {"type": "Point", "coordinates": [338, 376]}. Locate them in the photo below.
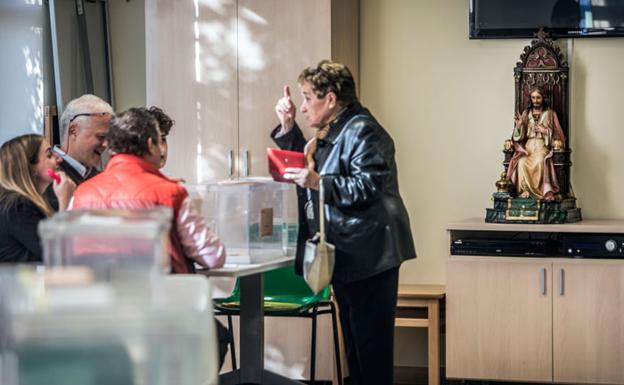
{"type": "Point", "coordinates": [83, 129]}
{"type": "Point", "coordinates": [132, 180]}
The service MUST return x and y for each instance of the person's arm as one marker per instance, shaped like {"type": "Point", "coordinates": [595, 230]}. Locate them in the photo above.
{"type": "Point", "coordinates": [287, 135]}
{"type": "Point", "coordinates": [370, 165]}
{"type": "Point", "coordinates": [521, 122]}
{"type": "Point", "coordinates": [50, 196]}
{"type": "Point", "coordinates": [293, 140]}
{"type": "Point", "coordinates": [64, 190]}
{"type": "Point", "coordinates": [24, 229]}
{"type": "Point", "coordinates": [200, 243]}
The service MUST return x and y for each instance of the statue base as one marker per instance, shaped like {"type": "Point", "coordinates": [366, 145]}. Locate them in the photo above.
{"type": "Point", "coordinates": [530, 210]}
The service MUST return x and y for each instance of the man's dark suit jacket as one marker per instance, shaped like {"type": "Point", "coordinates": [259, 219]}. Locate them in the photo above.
{"type": "Point", "coordinates": [73, 175]}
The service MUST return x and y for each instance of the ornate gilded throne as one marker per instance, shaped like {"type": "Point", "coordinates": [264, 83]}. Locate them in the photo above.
{"type": "Point", "coordinates": [541, 64]}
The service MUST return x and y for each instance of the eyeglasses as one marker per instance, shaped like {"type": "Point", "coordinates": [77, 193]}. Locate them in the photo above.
{"type": "Point", "coordinates": [88, 114]}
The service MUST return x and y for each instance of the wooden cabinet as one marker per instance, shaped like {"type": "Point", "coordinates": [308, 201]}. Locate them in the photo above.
{"type": "Point", "coordinates": [535, 319]}
{"type": "Point", "coordinates": [277, 39]}
{"type": "Point", "coordinates": [497, 317]}
{"type": "Point", "coordinates": [588, 322]}
{"type": "Point", "coordinates": [191, 71]}
{"type": "Point", "coordinates": [219, 67]}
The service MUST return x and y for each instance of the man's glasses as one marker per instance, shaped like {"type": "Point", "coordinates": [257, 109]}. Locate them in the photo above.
{"type": "Point", "coordinates": [88, 114]}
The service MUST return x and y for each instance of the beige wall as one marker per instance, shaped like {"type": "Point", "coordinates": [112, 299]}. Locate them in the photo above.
{"type": "Point", "coordinates": [448, 103]}
{"type": "Point", "coordinates": [127, 30]}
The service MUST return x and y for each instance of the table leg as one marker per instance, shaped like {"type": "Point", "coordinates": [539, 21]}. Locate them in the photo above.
{"type": "Point", "coordinates": [433, 331]}
{"type": "Point", "coordinates": [251, 369]}
{"type": "Point", "coordinates": [251, 328]}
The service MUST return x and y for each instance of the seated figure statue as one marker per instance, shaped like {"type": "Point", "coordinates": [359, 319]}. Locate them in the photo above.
{"type": "Point", "coordinates": [531, 169]}
{"type": "Point", "coordinates": [535, 184]}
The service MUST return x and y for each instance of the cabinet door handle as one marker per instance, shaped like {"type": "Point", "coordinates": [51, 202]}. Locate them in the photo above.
{"type": "Point", "coordinates": [561, 282]}
{"type": "Point", "coordinates": [543, 281]}
{"type": "Point", "coordinates": [230, 163]}
{"type": "Point", "coordinates": [246, 163]}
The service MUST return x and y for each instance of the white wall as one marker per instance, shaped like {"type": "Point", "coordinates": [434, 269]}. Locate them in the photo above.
{"type": "Point", "coordinates": [25, 69]}
{"type": "Point", "coordinates": [448, 103]}
{"type": "Point", "coordinates": [596, 131]}
{"type": "Point", "coordinates": [26, 73]}
{"type": "Point", "coordinates": [127, 29]}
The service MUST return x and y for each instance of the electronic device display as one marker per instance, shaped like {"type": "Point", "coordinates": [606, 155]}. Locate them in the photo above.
{"type": "Point", "coordinates": [499, 19]}
{"type": "Point", "coordinates": [592, 245]}
{"type": "Point", "coordinates": [507, 248]}
{"type": "Point", "coordinates": [535, 244]}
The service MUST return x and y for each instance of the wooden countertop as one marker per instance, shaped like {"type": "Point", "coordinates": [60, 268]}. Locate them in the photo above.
{"type": "Point", "coordinates": [414, 291]}
{"type": "Point", "coordinates": [613, 226]}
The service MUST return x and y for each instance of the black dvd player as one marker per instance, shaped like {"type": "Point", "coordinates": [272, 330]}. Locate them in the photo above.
{"type": "Point", "coordinates": [505, 247]}
{"type": "Point", "coordinates": [592, 245]}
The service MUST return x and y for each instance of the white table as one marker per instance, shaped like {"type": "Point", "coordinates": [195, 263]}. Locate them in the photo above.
{"type": "Point", "coordinates": [251, 368]}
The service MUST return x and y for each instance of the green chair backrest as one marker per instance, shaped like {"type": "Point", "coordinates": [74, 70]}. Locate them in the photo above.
{"type": "Point", "coordinates": [283, 286]}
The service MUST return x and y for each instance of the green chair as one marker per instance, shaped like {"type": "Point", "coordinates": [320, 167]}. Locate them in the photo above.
{"type": "Point", "coordinates": [287, 295]}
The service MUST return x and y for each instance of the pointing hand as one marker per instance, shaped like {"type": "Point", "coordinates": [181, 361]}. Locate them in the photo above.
{"type": "Point", "coordinates": [285, 110]}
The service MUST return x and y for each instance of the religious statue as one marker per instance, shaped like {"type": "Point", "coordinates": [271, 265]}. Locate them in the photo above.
{"type": "Point", "coordinates": [531, 169]}
{"type": "Point", "coordinates": [535, 184]}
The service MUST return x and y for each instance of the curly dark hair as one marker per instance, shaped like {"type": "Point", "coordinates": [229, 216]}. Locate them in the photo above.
{"type": "Point", "coordinates": [164, 121]}
{"type": "Point", "coordinates": [330, 76]}
{"type": "Point", "coordinates": [129, 131]}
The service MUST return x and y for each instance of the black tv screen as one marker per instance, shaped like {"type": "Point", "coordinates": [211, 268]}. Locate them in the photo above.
{"type": "Point", "coordinates": [496, 19]}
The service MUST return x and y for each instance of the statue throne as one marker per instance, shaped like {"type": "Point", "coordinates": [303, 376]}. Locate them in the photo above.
{"type": "Point", "coordinates": [541, 64]}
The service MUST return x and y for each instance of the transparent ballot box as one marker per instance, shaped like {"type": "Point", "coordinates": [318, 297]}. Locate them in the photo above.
{"type": "Point", "coordinates": [253, 217]}
{"type": "Point", "coordinates": [60, 327]}
{"type": "Point", "coordinates": [108, 240]}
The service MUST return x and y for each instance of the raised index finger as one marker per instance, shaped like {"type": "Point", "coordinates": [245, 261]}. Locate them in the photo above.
{"type": "Point", "coordinates": [287, 92]}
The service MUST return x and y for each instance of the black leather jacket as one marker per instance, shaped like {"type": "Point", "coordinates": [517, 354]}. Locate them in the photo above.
{"type": "Point", "coordinates": [365, 215]}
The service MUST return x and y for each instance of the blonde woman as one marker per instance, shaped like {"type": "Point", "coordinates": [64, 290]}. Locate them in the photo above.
{"type": "Point", "coordinates": [25, 162]}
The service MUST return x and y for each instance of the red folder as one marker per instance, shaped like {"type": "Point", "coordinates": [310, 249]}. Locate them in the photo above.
{"type": "Point", "coordinates": [279, 160]}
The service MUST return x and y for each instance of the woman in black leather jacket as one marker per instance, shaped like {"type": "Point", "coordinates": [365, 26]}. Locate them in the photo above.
{"type": "Point", "coordinates": [353, 157]}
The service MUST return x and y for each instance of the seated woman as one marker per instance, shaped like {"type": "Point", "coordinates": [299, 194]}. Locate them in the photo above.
{"type": "Point", "coordinates": [531, 169]}
{"type": "Point", "coordinates": [24, 176]}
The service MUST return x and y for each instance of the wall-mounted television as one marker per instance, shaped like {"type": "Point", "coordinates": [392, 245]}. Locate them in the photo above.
{"type": "Point", "coordinates": [501, 19]}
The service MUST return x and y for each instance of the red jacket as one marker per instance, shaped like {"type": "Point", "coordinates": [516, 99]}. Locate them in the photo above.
{"type": "Point", "coordinates": [130, 182]}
